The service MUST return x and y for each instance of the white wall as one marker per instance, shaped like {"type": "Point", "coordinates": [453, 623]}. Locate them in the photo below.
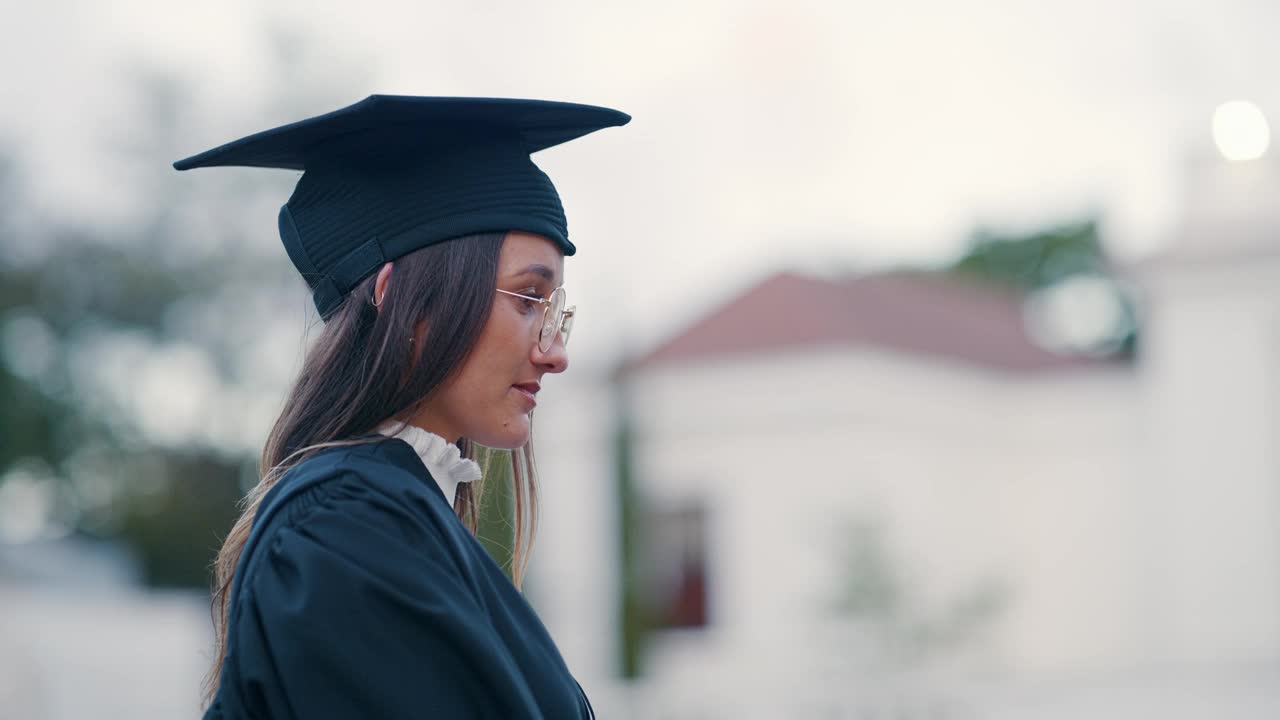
{"type": "Point", "coordinates": [1210, 376]}
{"type": "Point", "coordinates": [976, 475]}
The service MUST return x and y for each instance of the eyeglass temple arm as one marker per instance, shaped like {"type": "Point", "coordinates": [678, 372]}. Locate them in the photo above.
{"type": "Point", "coordinates": [540, 301]}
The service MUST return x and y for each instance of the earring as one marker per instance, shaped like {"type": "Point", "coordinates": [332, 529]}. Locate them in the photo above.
{"type": "Point", "coordinates": [378, 303]}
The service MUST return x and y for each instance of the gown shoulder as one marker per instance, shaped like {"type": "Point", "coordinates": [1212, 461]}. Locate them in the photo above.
{"type": "Point", "coordinates": [359, 601]}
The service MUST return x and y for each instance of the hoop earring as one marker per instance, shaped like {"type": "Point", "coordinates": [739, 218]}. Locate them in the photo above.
{"type": "Point", "coordinates": [378, 303]}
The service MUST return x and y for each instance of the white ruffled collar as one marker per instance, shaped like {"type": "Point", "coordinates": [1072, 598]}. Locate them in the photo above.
{"type": "Point", "coordinates": [443, 459]}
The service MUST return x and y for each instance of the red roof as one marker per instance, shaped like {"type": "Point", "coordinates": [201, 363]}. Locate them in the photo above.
{"type": "Point", "coordinates": [917, 313]}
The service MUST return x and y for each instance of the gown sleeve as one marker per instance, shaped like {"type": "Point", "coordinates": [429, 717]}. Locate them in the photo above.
{"type": "Point", "coordinates": [358, 609]}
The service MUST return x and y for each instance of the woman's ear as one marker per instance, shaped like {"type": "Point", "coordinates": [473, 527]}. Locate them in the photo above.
{"type": "Point", "coordinates": [381, 285]}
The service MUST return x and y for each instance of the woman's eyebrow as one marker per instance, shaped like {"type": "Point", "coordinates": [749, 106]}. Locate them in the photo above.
{"type": "Point", "coordinates": [543, 271]}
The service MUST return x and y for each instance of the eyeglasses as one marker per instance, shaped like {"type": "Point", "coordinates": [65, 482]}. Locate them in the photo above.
{"type": "Point", "coordinates": [555, 316]}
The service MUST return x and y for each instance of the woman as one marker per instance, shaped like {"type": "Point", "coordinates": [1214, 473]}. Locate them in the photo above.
{"type": "Point", "coordinates": [353, 585]}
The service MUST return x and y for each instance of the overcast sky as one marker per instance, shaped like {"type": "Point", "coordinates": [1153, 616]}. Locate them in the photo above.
{"type": "Point", "coordinates": [802, 134]}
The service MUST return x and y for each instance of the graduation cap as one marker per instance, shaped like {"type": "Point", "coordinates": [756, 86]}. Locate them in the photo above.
{"type": "Point", "coordinates": [394, 173]}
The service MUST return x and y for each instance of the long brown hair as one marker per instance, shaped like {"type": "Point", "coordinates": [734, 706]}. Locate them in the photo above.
{"type": "Point", "coordinates": [363, 370]}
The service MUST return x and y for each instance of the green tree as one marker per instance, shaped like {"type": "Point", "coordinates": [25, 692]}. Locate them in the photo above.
{"type": "Point", "coordinates": [1042, 260]}
{"type": "Point", "coordinates": [186, 270]}
{"type": "Point", "coordinates": [1032, 260]}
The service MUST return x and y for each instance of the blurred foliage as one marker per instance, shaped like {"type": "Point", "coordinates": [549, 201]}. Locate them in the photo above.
{"type": "Point", "coordinates": [635, 618]}
{"type": "Point", "coordinates": [495, 527]}
{"type": "Point", "coordinates": [176, 528]}
{"type": "Point", "coordinates": [29, 420]}
{"type": "Point", "coordinates": [170, 511]}
{"type": "Point", "coordinates": [875, 592]}
{"type": "Point", "coordinates": [1033, 260]}
{"type": "Point", "coordinates": [182, 266]}
{"type": "Point", "coordinates": [1042, 259]}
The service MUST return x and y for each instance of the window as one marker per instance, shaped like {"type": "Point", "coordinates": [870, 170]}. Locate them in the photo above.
{"type": "Point", "coordinates": [676, 585]}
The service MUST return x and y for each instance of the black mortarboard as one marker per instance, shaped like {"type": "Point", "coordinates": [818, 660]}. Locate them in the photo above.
{"type": "Point", "coordinates": [393, 173]}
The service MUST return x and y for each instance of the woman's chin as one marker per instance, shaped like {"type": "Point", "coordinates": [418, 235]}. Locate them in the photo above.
{"type": "Point", "coordinates": [513, 435]}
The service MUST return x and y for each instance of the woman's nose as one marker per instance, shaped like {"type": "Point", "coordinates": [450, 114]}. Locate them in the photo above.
{"type": "Point", "coordinates": [555, 359]}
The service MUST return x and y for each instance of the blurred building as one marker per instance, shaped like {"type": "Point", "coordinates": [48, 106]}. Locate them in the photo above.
{"type": "Point", "coordinates": [879, 497]}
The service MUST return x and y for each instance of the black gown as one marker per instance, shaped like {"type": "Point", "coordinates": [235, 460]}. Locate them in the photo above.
{"type": "Point", "coordinates": [360, 594]}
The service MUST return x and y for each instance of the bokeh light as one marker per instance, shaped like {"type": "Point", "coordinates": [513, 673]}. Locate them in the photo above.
{"type": "Point", "coordinates": [1240, 131]}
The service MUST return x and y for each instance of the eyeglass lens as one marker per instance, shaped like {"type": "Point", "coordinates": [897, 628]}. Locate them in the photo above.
{"type": "Point", "coordinates": [552, 319]}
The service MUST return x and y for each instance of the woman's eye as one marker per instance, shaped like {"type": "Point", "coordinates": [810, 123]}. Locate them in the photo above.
{"type": "Point", "coordinates": [529, 299]}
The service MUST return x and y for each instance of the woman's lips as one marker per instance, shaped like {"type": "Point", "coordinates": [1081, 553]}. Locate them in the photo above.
{"type": "Point", "coordinates": [529, 391]}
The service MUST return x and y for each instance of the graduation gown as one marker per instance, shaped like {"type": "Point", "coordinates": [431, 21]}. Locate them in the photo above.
{"type": "Point", "coordinates": [360, 594]}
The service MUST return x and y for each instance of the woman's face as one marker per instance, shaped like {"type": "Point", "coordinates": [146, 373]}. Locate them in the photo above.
{"type": "Point", "coordinates": [490, 398]}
